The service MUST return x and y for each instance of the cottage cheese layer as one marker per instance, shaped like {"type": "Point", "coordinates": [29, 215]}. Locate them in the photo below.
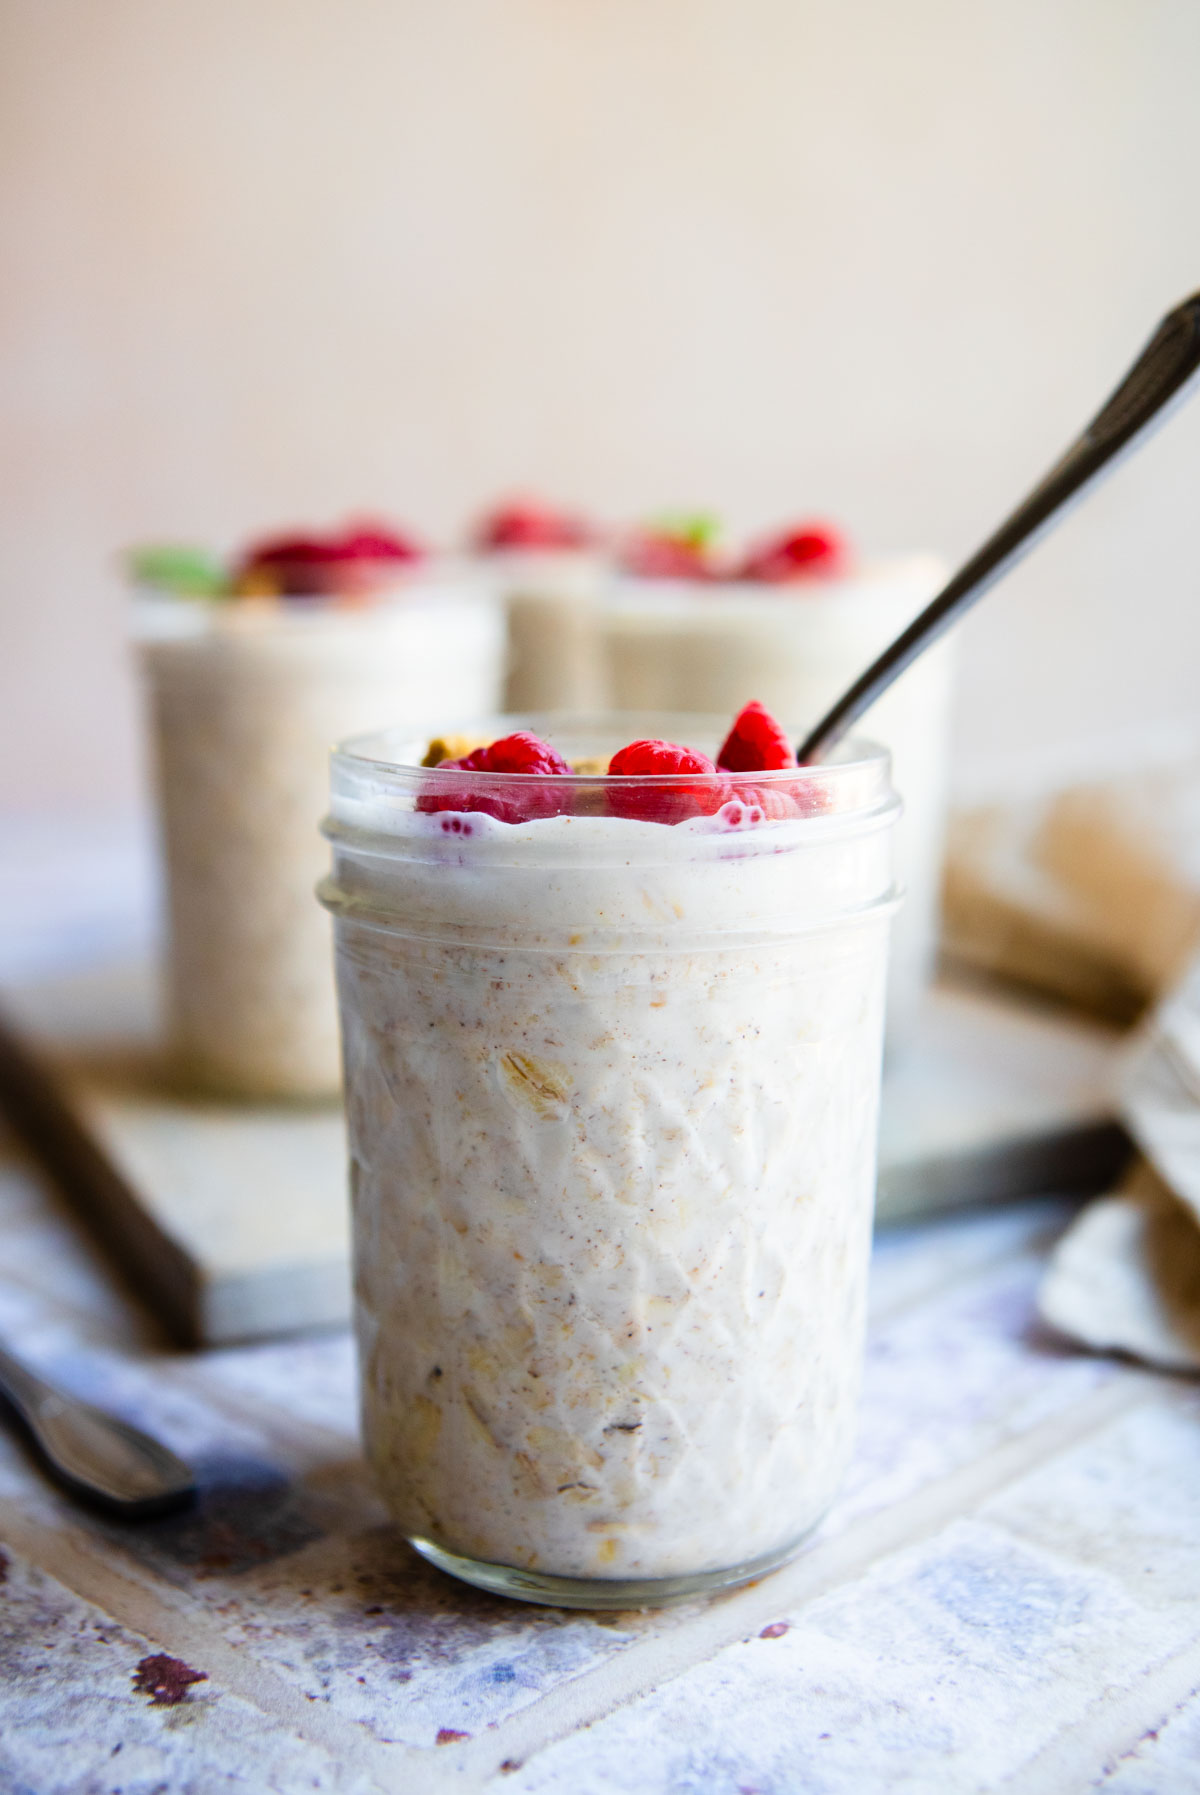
{"type": "Point", "coordinates": [612, 1092]}
{"type": "Point", "coordinates": [245, 700]}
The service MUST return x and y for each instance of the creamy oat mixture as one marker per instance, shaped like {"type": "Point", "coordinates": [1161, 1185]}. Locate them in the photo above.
{"type": "Point", "coordinates": [612, 1092]}
{"type": "Point", "coordinates": [550, 598]}
{"type": "Point", "coordinates": [245, 700]}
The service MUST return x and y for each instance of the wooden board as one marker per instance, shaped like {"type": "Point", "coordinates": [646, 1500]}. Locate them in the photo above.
{"type": "Point", "coordinates": [231, 1218]}
{"type": "Point", "coordinates": [996, 1097]}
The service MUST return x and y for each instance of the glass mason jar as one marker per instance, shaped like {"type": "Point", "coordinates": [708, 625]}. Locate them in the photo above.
{"type": "Point", "coordinates": [612, 1089]}
{"type": "Point", "coordinates": [550, 598]}
{"type": "Point", "coordinates": [245, 698]}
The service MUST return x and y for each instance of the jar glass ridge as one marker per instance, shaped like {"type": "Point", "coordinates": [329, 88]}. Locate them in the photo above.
{"type": "Point", "coordinates": [612, 1092]}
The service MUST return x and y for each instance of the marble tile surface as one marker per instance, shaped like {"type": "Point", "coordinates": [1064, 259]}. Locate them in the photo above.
{"type": "Point", "coordinates": [86, 1703]}
{"type": "Point", "coordinates": [1005, 1596]}
{"type": "Point", "coordinates": [1165, 1758]}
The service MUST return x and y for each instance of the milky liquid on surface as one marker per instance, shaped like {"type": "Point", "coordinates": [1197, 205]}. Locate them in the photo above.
{"type": "Point", "coordinates": [612, 1092]}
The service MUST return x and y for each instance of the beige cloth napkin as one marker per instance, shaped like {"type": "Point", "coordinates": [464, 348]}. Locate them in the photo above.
{"type": "Point", "coordinates": [1093, 895]}
{"type": "Point", "coordinates": [1125, 1277]}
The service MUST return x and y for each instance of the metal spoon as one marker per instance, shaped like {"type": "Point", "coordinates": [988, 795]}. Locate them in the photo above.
{"type": "Point", "coordinates": [1162, 377]}
{"type": "Point", "coordinates": [92, 1453]}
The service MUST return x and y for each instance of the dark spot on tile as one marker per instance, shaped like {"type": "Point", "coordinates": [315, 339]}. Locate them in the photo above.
{"type": "Point", "coordinates": [502, 1673]}
{"type": "Point", "coordinates": [165, 1680]}
{"type": "Point", "coordinates": [511, 1764]}
{"type": "Point", "coordinates": [3, 1567]}
{"type": "Point", "coordinates": [776, 1630]}
{"type": "Point", "coordinates": [448, 1736]}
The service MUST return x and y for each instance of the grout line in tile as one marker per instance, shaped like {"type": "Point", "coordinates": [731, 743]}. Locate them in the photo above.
{"type": "Point", "coordinates": [169, 1618]}
{"type": "Point", "coordinates": [1113, 1726]}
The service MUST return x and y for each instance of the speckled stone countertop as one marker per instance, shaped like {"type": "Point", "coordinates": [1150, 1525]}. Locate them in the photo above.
{"type": "Point", "coordinates": [1007, 1595]}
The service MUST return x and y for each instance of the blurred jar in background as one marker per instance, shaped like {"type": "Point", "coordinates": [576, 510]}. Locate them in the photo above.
{"type": "Point", "coordinates": [793, 625]}
{"type": "Point", "coordinates": [251, 677]}
{"type": "Point", "coordinates": [548, 569]}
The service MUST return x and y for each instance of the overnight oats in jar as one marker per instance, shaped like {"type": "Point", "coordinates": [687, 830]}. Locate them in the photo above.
{"type": "Point", "coordinates": [252, 673]}
{"type": "Point", "coordinates": [548, 567]}
{"type": "Point", "coordinates": [612, 1056]}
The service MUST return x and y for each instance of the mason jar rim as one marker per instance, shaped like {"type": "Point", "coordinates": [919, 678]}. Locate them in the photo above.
{"type": "Point", "coordinates": [562, 863]}
{"type": "Point", "coordinates": [374, 753]}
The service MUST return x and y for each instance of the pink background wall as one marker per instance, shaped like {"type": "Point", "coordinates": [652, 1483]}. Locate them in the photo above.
{"type": "Point", "coordinates": [270, 260]}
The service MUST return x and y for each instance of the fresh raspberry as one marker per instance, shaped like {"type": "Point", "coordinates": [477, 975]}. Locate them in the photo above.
{"type": "Point", "coordinates": [520, 753]}
{"type": "Point", "coordinates": [756, 743]}
{"type": "Point", "coordinates": [747, 806]}
{"type": "Point", "coordinates": [812, 550]}
{"type": "Point", "coordinates": [299, 565]}
{"type": "Point", "coordinates": [678, 549]}
{"type": "Point", "coordinates": [369, 541]}
{"type": "Point", "coordinates": [527, 524]}
{"type": "Point", "coordinates": [359, 560]}
{"type": "Point", "coordinates": [665, 803]}
{"type": "Point", "coordinates": [780, 799]}
{"type": "Point", "coordinates": [661, 758]}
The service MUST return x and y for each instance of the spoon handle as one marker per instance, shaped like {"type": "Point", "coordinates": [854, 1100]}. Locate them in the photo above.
{"type": "Point", "coordinates": [93, 1453]}
{"type": "Point", "coordinates": [1161, 377]}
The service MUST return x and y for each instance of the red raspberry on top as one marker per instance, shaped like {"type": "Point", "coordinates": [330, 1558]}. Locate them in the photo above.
{"type": "Point", "coordinates": [756, 742]}
{"type": "Point", "coordinates": [779, 801]}
{"type": "Point", "coordinates": [676, 549]}
{"type": "Point", "coordinates": [527, 524]}
{"type": "Point", "coordinates": [812, 550]}
{"type": "Point", "coordinates": [665, 803]}
{"type": "Point", "coordinates": [369, 541]}
{"type": "Point", "coordinates": [360, 559]}
{"type": "Point", "coordinates": [301, 565]}
{"type": "Point", "coordinates": [521, 752]}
